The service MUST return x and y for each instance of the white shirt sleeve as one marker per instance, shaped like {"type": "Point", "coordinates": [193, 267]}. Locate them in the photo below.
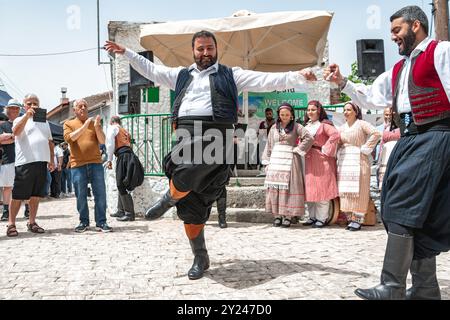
{"type": "Point", "coordinates": [157, 73]}
{"type": "Point", "coordinates": [442, 64]}
{"type": "Point", "coordinates": [256, 81]}
{"type": "Point", "coordinates": [58, 152]}
{"type": "Point", "coordinates": [111, 134]}
{"type": "Point", "coordinates": [376, 96]}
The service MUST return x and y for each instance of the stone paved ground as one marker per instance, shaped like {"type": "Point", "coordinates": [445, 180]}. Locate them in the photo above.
{"type": "Point", "coordinates": [149, 260]}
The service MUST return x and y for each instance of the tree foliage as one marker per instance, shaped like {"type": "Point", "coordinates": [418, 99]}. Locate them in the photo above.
{"type": "Point", "coordinates": [353, 77]}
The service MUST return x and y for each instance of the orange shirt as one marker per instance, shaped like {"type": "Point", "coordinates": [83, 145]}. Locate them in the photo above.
{"type": "Point", "coordinates": [86, 149]}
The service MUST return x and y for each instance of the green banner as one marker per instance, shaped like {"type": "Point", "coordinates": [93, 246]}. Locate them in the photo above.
{"type": "Point", "coordinates": [258, 102]}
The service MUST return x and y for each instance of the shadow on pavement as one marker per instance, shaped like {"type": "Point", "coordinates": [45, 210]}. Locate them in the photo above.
{"type": "Point", "coordinates": [229, 273]}
{"type": "Point", "coordinates": [23, 234]}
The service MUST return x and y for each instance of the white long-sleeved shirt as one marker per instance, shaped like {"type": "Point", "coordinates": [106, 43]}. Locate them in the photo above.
{"type": "Point", "coordinates": [379, 95]}
{"type": "Point", "coordinates": [110, 143]}
{"type": "Point", "coordinates": [197, 101]}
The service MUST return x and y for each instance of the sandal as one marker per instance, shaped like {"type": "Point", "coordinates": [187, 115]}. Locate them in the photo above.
{"type": "Point", "coordinates": [34, 228]}
{"type": "Point", "coordinates": [11, 231]}
{"type": "Point", "coordinates": [286, 223]}
{"type": "Point", "coordinates": [277, 222]}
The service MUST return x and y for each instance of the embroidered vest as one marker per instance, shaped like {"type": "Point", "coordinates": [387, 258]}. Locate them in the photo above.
{"type": "Point", "coordinates": [429, 101]}
{"type": "Point", "coordinates": [224, 95]}
{"type": "Point", "coordinates": [122, 139]}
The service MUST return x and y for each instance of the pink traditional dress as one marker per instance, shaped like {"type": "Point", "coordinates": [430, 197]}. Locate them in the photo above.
{"type": "Point", "coordinates": [387, 144]}
{"type": "Point", "coordinates": [320, 169]}
{"type": "Point", "coordinates": [285, 190]}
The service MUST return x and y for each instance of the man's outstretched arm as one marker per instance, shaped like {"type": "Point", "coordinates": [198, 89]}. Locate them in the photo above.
{"type": "Point", "coordinates": [157, 73]}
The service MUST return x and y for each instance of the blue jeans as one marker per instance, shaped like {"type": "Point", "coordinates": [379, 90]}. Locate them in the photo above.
{"type": "Point", "coordinates": [66, 181]}
{"type": "Point", "coordinates": [90, 173]}
{"type": "Point", "coordinates": [47, 183]}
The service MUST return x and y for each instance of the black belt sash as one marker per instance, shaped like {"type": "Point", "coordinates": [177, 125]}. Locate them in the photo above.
{"type": "Point", "coordinates": [407, 126]}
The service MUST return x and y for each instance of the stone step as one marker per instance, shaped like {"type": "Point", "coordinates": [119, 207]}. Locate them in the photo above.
{"type": "Point", "coordinates": [233, 215]}
{"type": "Point", "coordinates": [246, 181]}
{"type": "Point", "coordinates": [247, 173]}
{"type": "Point", "coordinates": [246, 197]}
{"type": "Point", "coordinates": [244, 215]}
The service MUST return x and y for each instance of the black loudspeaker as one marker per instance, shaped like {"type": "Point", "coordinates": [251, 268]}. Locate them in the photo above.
{"type": "Point", "coordinates": [129, 99]}
{"type": "Point", "coordinates": [136, 79]}
{"type": "Point", "coordinates": [370, 53]}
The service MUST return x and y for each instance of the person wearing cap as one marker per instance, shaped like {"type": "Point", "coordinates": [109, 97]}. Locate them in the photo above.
{"type": "Point", "coordinates": [34, 151]}
{"type": "Point", "coordinates": [7, 170]}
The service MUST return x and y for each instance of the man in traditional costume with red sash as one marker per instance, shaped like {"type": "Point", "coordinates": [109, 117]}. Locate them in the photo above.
{"type": "Point", "coordinates": [415, 198]}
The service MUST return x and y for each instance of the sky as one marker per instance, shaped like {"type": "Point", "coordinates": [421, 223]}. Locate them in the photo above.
{"type": "Point", "coordinates": [36, 27]}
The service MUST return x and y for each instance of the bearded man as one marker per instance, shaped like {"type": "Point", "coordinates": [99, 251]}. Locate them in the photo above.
{"type": "Point", "coordinates": [415, 198]}
{"type": "Point", "coordinates": [204, 112]}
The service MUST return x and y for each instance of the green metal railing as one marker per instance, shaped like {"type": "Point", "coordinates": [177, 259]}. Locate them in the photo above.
{"type": "Point", "coordinates": [151, 139]}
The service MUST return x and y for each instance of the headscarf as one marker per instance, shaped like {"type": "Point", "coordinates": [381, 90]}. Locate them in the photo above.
{"type": "Point", "coordinates": [290, 127]}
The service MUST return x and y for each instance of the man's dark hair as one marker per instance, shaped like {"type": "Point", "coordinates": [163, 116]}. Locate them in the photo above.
{"type": "Point", "coordinates": [268, 109]}
{"type": "Point", "coordinates": [116, 119]}
{"type": "Point", "coordinates": [203, 34]}
{"type": "Point", "coordinates": [411, 14]}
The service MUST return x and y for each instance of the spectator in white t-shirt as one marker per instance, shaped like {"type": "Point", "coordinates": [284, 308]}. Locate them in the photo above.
{"type": "Point", "coordinates": [34, 153]}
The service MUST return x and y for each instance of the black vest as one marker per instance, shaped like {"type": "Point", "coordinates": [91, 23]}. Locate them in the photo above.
{"type": "Point", "coordinates": [224, 95]}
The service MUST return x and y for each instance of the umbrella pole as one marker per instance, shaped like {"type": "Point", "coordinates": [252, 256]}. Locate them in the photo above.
{"type": "Point", "coordinates": [245, 100]}
{"type": "Point", "coordinates": [246, 64]}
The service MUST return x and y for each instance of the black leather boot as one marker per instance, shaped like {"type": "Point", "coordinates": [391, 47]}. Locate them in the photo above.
{"type": "Point", "coordinates": [5, 215]}
{"type": "Point", "coordinates": [160, 207]}
{"type": "Point", "coordinates": [120, 211]}
{"type": "Point", "coordinates": [424, 282]}
{"type": "Point", "coordinates": [26, 213]}
{"type": "Point", "coordinates": [397, 260]}
{"type": "Point", "coordinates": [221, 209]}
{"type": "Point", "coordinates": [128, 206]}
{"type": "Point", "coordinates": [201, 258]}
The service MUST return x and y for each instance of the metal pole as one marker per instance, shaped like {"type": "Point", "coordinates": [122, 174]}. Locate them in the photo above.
{"type": "Point", "coordinates": [98, 31]}
{"type": "Point", "coordinates": [98, 35]}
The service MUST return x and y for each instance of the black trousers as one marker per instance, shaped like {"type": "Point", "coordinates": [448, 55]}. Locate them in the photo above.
{"type": "Point", "coordinates": [416, 190]}
{"type": "Point", "coordinates": [55, 186]}
{"type": "Point", "coordinates": [205, 179]}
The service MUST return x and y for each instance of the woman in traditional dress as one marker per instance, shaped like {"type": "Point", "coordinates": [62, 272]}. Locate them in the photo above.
{"type": "Point", "coordinates": [287, 142]}
{"type": "Point", "coordinates": [389, 138]}
{"type": "Point", "coordinates": [358, 139]}
{"type": "Point", "coordinates": [320, 165]}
